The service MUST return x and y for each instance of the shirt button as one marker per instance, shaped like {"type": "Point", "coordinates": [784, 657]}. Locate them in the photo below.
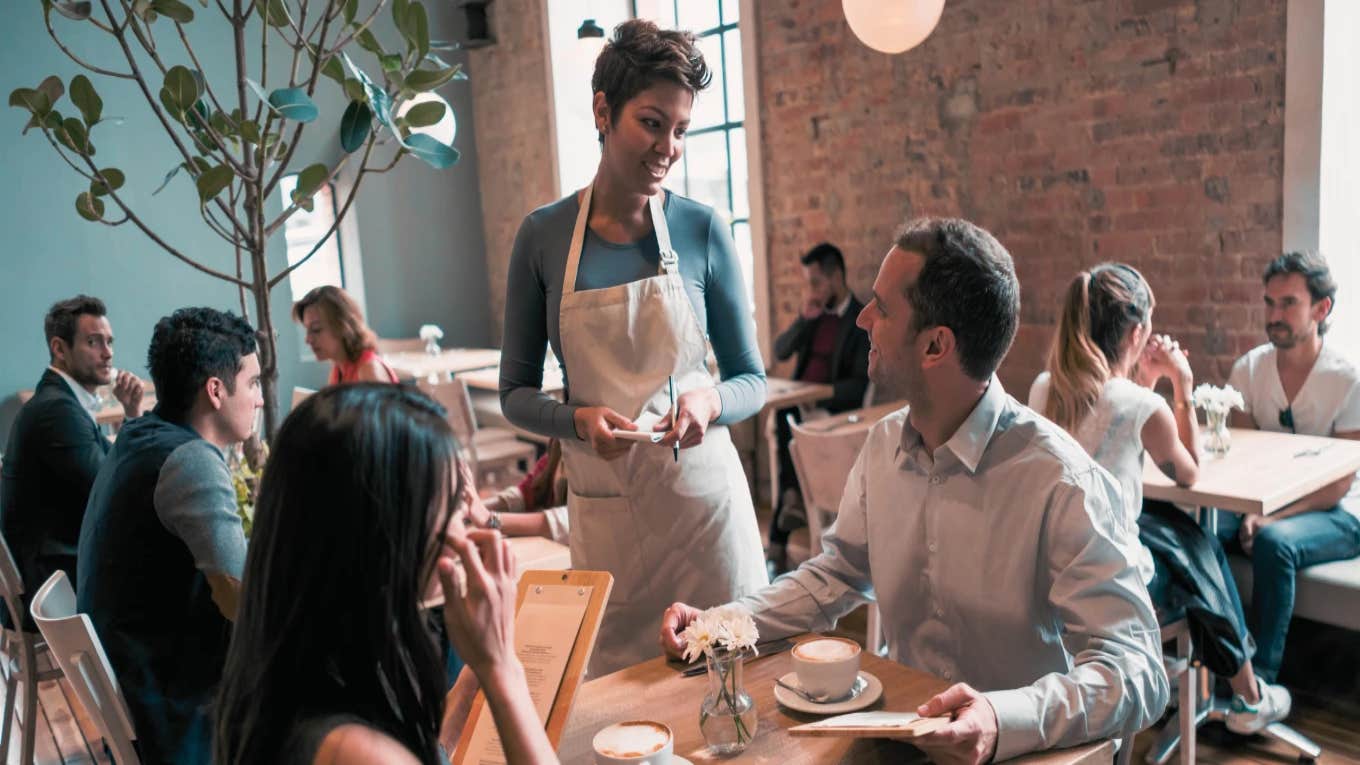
{"type": "Point", "coordinates": [939, 612]}
{"type": "Point", "coordinates": [931, 547]}
{"type": "Point", "coordinates": [935, 479]}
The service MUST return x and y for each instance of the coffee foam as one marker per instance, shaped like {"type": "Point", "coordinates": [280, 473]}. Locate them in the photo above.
{"type": "Point", "coordinates": [825, 650]}
{"type": "Point", "coordinates": [637, 738]}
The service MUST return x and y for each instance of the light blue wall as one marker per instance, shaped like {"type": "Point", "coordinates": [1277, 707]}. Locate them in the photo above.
{"type": "Point", "coordinates": [420, 229]}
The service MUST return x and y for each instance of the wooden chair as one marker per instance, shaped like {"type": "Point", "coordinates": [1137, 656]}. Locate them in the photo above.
{"type": "Point", "coordinates": [80, 655]}
{"type": "Point", "coordinates": [400, 345]}
{"type": "Point", "coordinates": [1179, 732]}
{"type": "Point", "coordinates": [21, 649]}
{"type": "Point", "coordinates": [822, 462]}
{"type": "Point", "coordinates": [497, 455]}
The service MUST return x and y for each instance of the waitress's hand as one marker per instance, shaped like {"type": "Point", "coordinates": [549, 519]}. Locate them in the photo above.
{"type": "Point", "coordinates": [694, 410]}
{"type": "Point", "coordinates": [595, 425]}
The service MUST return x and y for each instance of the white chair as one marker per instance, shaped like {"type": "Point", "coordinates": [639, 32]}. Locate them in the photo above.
{"type": "Point", "coordinates": [21, 649]}
{"type": "Point", "coordinates": [301, 394]}
{"type": "Point", "coordinates": [822, 462]}
{"type": "Point", "coordinates": [495, 452]}
{"type": "Point", "coordinates": [388, 346]}
{"type": "Point", "coordinates": [1179, 731]}
{"type": "Point", "coordinates": [79, 654]}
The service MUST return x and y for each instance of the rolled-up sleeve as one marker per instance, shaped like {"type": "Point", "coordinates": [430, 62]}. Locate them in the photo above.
{"type": "Point", "coordinates": [1117, 684]}
{"type": "Point", "coordinates": [830, 585]}
{"type": "Point", "coordinates": [195, 501]}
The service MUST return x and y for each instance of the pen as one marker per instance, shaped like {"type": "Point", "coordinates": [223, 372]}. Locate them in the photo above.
{"type": "Point", "coordinates": [675, 447]}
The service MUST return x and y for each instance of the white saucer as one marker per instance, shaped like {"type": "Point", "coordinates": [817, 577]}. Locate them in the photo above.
{"type": "Point", "coordinates": [678, 760]}
{"type": "Point", "coordinates": [872, 691]}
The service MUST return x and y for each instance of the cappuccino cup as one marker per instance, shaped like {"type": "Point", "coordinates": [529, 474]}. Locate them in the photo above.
{"type": "Point", "coordinates": [635, 742]}
{"type": "Point", "coordinates": [826, 667]}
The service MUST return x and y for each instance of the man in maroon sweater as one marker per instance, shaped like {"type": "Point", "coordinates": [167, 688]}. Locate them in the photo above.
{"type": "Point", "coordinates": [830, 349]}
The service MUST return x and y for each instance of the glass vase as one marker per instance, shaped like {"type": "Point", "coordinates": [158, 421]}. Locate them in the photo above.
{"type": "Point", "coordinates": [1217, 439]}
{"type": "Point", "coordinates": [432, 347]}
{"type": "Point", "coordinates": [728, 716]}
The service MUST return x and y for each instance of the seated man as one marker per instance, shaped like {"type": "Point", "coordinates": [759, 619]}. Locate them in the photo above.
{"type": "Point", "coordinates": [162, 550]}
{"type": "Point", "coordinates": [991, 542]}
{"type": "Point", "coordinates": [55, 447]}
{"type": "Point", "coordinates": [830, 349]}
{"type": "Point", "coordinates": [1295, 383]}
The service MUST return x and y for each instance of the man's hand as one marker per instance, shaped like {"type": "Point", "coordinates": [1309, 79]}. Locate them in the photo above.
{"type": "Point", "coordinates": [813, 306]}
{"type": "Point", "coordinates": [1251, 526]}
{"type": "Point", "coordinates": [970, 739]}
{"type": "Point", "coordinates": [596, 424]}
{"type": "Point", "coordinates": [674, 622]}
{"type": "Point", "coordinates": [128, 390]}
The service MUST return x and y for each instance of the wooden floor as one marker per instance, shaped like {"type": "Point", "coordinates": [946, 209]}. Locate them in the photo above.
{"type": "Point", "coordinates": [63, 729]}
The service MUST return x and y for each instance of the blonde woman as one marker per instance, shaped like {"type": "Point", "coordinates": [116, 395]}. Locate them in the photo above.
{"type": "Point", "coordinates": [1098, 387]}
{"type": "Point", "coordinates": [336, 332]}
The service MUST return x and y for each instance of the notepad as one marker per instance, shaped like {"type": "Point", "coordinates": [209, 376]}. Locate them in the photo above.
{"type": "Point", "coordinates": [871, 724]}
{"type": "Point", "coordinates": [643, 434]}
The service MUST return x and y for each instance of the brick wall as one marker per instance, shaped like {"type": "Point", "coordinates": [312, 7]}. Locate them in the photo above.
{"type": "Point", "coordinates": [1146, 131]}
{"type": "Point", "coordinates": [511, 99]}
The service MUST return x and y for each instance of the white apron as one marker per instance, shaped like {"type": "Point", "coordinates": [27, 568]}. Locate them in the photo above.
{"type": "Point", "coordinates": [667, 531]}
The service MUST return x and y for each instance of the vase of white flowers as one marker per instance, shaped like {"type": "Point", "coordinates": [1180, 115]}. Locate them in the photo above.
{"type": "Point", "coordinates": [1216, 403]}
{"type": "Point", "coordinates": [431, 334]}
{"type": "Point", "coordinates": [724, 637]}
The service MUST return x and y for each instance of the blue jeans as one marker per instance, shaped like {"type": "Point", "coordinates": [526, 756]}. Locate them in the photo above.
{"type": "Point", "coordinates": [1279, 551]}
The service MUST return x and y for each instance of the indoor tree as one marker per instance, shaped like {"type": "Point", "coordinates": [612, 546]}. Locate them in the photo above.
{"type": "Point", "coordinates": [238, 143]}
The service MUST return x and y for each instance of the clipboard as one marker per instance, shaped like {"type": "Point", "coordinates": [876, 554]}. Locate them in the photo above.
{"type": "Point", "coordinates": [872, 725]}
{"type": "Point", "coordinates": [601, 583]}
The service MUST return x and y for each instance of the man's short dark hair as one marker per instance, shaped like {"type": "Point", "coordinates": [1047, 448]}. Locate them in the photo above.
{"type": "Point", "coordinates": [827, 256]}
{"type": "Point", "coordinates": [190, 346]}
{"type": "Point", "coordinates": [63, 316]}
{"type": "Point", "coordinates": [967, 284]}
{"type": "Point", "coordinates": [1315, 272]}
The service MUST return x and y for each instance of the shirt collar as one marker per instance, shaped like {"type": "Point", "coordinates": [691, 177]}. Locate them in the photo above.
{"type": "Point", "coordinates": [971, 439]}
{"type": "Point", "coordinates": [88, 400]}
{"type": "Point", "coordinates": [839, 310]}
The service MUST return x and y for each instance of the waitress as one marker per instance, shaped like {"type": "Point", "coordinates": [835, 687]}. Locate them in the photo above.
{"type": "Point", "coordinates": [627, 281]}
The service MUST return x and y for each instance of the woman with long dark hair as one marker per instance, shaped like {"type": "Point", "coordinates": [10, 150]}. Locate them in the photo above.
{"type": "Point", "coordinates": [331, 659]}
{"type": "Point", "coordinates": [1098, 387]}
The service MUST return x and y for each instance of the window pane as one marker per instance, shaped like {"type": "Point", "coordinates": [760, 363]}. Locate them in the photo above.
{"type": "Point", "coordinates": [731, 9]}
{"type": "Point", "coordinates": [677, 179]}
{"type": "Point", "coordinates": [741, 204]}
{"type": "Point", "coordinates": [707, 165]}
{"type": "Point", "coordinates": [301, 233]}
{"type": "Point", "coordinates": [697, 15]}
{"type": "Point", "coordinates": [741, 233]}
{"type": "Point", "coordinates": [708, 105]}
{"type": "Point", "coordinates": [736, 91]}
{"type": "Point", "coordinates": [660, 12]}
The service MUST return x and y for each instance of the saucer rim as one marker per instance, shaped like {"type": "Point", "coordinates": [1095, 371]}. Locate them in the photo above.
{"type": "Point", "coordinates": [819, 708]}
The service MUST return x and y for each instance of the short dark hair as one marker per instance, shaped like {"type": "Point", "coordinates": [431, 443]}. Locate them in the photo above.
{"type": "Point", "coordinates": [63, 316]}
{"type": "Point", "coordinates": [190, 346]}
{"type": "Point", "coordinates": [967, 284]}
{"type": "Point", "coordinates": [1315, 272]}
{"type": "Point", "coordinates": [827, 256]}
{"type": "Point", "coordinates": [640, 54]}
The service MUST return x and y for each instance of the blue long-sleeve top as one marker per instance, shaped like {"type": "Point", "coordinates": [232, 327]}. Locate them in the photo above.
{"type": "Point", "coordinates": [713, 281]}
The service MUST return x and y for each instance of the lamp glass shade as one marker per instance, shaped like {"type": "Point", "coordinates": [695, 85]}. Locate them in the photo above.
{"type": "Point", "coordinates": [892, 26]}
{"type": "Point", "coordinates": [442, 131]}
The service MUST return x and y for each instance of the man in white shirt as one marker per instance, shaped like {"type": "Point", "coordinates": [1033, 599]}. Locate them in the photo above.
{"type": "Point", "coordinates": [1296, 383]}
{"type": "Point", "coordinates": [989, 539]}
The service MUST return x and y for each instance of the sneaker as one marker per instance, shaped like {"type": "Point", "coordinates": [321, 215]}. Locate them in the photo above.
{"type": "Point", "coordinates": [1273, 707]}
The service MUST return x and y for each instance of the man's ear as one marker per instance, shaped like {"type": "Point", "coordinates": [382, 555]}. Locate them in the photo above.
{"type": "Point", "coordinates": [940, 344]}
{"type": "Point", "coordinates": [1322, 309]}
{"type": "Point", "coordinates": [57, 349]}
{"type": "Point", "coordinates": [217, 392]}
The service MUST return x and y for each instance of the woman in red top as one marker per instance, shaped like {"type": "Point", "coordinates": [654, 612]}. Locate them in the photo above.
{"type": "Point", "coordinates": [336, 332]}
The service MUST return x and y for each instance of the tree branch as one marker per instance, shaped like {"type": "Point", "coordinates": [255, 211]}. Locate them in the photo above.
{"type": "Point", "coordinates": [207, 87]}
{"type": "Point", "coordinates": [347, 39]}
{"type": "Point", "coordinates": [292, 208]}
{"type": "Point", "coordinates": [340, 216]}
{"type": "Point", "coordinates": [51, 32]}
{"type": "Point", "coordinates": [297, 130]}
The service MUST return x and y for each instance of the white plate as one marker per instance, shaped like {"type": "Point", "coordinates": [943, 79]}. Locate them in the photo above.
{"type": "Point", "coordinates": [641, 436]}
{"type": "Point", "coordinates": [871, 693]}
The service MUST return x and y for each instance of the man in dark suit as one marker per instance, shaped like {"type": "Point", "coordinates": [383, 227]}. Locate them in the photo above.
{"type": "Point", "coordinates": [55, 447]}
{"type": "Point", "coordinates": [830, 349]}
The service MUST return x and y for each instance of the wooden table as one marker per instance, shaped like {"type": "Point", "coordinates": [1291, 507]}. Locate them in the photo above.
{"type": "Point", "coordinates": [860, 420]}
{"type": "Point", "coordinates": [654, 690]}
{"type": "Point", "coordinates": [1262, 472]}
{"type": "Point", "coordinates": [451, 361]}
{"type": "Point", "coordinates": [781, 393]}
{"type": "Point", "coordinates": [490, 379]}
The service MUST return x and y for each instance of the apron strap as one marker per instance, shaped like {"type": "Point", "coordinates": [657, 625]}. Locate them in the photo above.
{"type": "Point", "coordinates": [669, 258]}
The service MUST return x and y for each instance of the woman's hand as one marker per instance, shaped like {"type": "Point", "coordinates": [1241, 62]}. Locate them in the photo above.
{"type": "Point", "coordinates": [1163, 357]}
{"type": "Point", "coordinates": [480, 616]}
{"type": "Point", "coordinates": [595, 425]}
{"type": "Point", "coordinates": [470, 503]}
{"type": "Point", "coordinates": [694, 410]}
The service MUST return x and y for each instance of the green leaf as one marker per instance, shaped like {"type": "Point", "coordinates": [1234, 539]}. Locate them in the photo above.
{"type": "Point", "coordinates": [355, 90]}
{"type": "Point", "coordinates": [222, 125]}
{"type": "Point", "coordinates": [212, 182]}
{"type": "Point", "coordinates": [334, 70]}
{"type": "Point", "coordinates": [391, 62]}
{"type": "Point", "coordinates": [369, 43]}
{"type": "Point", "coordinates": [113, 180]}
{"type": "Point", "coordinates": [426, 114]}
{"type": "Point", "coordinates": [35, 101]}
{"type": "Point", "coordinates": [293, 104]}
{"type": "Point", "coordinates": [274, 12]}
{"type": "Point", "coordinates": [351, 10]}
{"type": "Point", "coordinates": [89, 207]}
{"type": "Point", "coordinates": [355, 126]}
{"type": "Point", "coordinates": [425, 79]}
{"type": "Point", "coordinates": [173, 172]}
{"type": "Point", "coordinates": [200, 165]}
{"type": "Point", "coordinates": [168, 101]}
{"type": "Point", "coordinates": [182, 86]}
{"type": "Point", "coordinates": [73, 136]}
{"type": "Point", "coordinates": [310, 179]}
{"type": "Point", "coordinates": [259, 91]}
{"type": "Point", "coordinates": [418, 23]}
{"type": "Point", "coordinates": [142, 9]}
{"type": "Point", "coordinates": [250, 131]}
{"type": "Point", "coordinates": [86, 99]}
{"type": "Point", "coordinates": [432, 152]}
{"type": "Point", "coordinates": [173, 9]}
{"type": "Point", "coordinates": [399, 15]}
{"type": "Point", "coordinates": [52, 86]}
{"type": "Point", "coordinates": [73, 9]}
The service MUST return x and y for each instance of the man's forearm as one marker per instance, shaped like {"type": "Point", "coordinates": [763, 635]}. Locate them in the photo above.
{"type": "Point", "coordinates": [1326, 498]}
